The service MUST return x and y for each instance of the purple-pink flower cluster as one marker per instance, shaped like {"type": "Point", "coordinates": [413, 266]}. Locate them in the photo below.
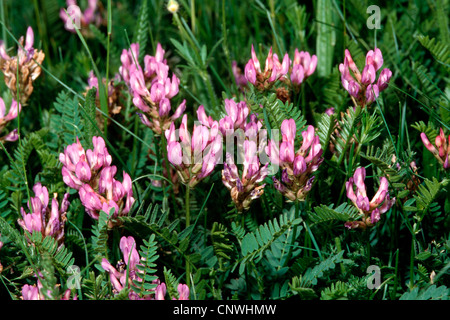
{"type": "Point", "coordinates": [91, 173]}
{"type": "Point", "coordinates": [442, 150]}
{"type": "Point", "coordinates": [33, 292]}
{"type": "Point", "coordinates": [373, 209]}
{"type": "Point", "coordinates": [303, 66]}
{"type": "Point", "coordinates": [273, 70]}
{"type": "Point", "coordinates": [194, 156]}
{"type": "Point", "coordinates": [127, 269]}
{"type": "Point", "coordinates": [48, 220]}
{"type": "Point", "coordinates": [76, 19]}
{"type": "Point", "coordinates": [296, 166]}
{"type": "Point", "coordinates": [26, 65]}
{"type": "Point", "coordinates": [362, 86]}
{"type": "Point", "coordinates": [151, 87]}
{"type": "Point", "coordinates": [246, 186]}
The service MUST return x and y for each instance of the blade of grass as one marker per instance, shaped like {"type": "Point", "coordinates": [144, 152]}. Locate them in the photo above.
{"type": "Point", "coordinates": [103, 93]}
{"type": "Point", "coordinates": [324, 47]}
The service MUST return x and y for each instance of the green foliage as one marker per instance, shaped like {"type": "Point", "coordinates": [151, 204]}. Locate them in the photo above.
{"type": "Point", "coordinates": [221, 244]}
{"type": "Point", "coordinates": [68, 123]}
{"type": "Point", "coordinates": [142, 29]}
{"type": "Point", "coordinates": [337, 291]}
{"type": "Point", "coordinates": [276, 249]}
{"type": "Point", "coordinates": [147, 269]}
{"type": "Point", "coordinates": [60, 257]}
{"type": "Point", "coordinates": [95, 288]}
{"type": "Point", "coordinates": [344, 212]}
{"type": "Point", "coordinates": [302, 284]}
{"type": "Point", "coordinates": [275, 111]}
{"type": "Point", "coordinates": [437, 48]}
{"type": "Point", "coordinates": [254, 244]}
{"type": "Point", "coordinates": [433, 292]}
{"type": "Point", "coordinates": [100, 235]}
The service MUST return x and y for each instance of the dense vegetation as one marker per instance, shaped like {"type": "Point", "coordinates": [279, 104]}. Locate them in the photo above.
{"type": "Point", "coordinates": [118, 181]}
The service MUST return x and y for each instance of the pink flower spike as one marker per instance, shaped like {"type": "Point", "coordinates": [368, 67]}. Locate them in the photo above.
{"type": "Point", "coordinates": [353, 88]}
{"type": "Point", "coordinates": [160, 291]}
{"type": "Point", "coordinates": [384, 78]}
{"type": "Point", "coordinates": [368, 74]}
{"type": "Point", "coordinates": [350, 192]}
{"type": "Point", "coordinates": [308, 137]}
{"type": "Point", "coordinates": [172, 86]}
{"type": "Point", "coordinates": [285, 65]}
{"type": "Point", "coordinates": [203, 118]}
{"type": "Point", "coordinates": [170, 133]}
{"type": "Point", "coordinates": [185, 136]}
{"type": "Point", "coordinates": [53, 222]}
{"type": "Point", "coordinates": [179, 111]}
{"type": "Point", "coordinates": [362, 202]}
{"type": "Point", "coordinates": [372, 93]}
{"type": "Point", "coordinates": [352, 65]}
{"type": "Point", "coordinates": [164, 107]}
{"type": "Point", "coordinates": [359, 176]}
{"type": "Point", "coordinates": [183, 292]}
{"type": "Point", "coordinates": [330, 111]}
{"type": "Point", "coordinates": [297, 74]}
{"type": "Point", "coordinates": [174, 153]}
{"type": "Point", "coordinates": [269, 65]}
{"type": "Point", "coordinates": [200, 138]}
{"type": "Point", "coordinates": [255, 60]}
{"type": "Point", "coordinates": [289, 130]}
{"type": "Point", "coordinates": [375, 58]}
{"type": "Point", "coordinates": [29, 40]}
{"type": "Point", "coordinates": [272, 150]}
{"type": "Point", "coordinates": [138, 85]}
{"type": "Point", "coordinates": [128, 245]}
{"type": "Point", "coordinates": [83, 171]}
{"type": "Point", "coordinates": [312, 66]}
{"type": "Point", "coordinates": [378, 198]}
{"type": "Point", "coordinates": [299, 165]}
{"type": "Point", "coordinates": [249, 152]}
{"type": "Point", "coordinates": [41, 192]}
{"type": "Point", "coordinates": [375, 216]}
{"type": "Point", "coordinates": [287, 152]}
{"type": "Point", "coordinates": [12, 136]}
{"type": "Point", "coordinates": [157, 92]}
{"type": "Point", "coordinates": [127, 184]}
{"type": "Point", "coordinates": [387, 204]}
{"type": "Point", "coordinates": [3, 53]}
{"type": "Point", "coordinates": [30, 292]}
{"type": "Point", "coordinates": [159, 55]}
{"type": "Point", "coordinates": [89, 198]}
{"type": "Point", "coordinates": [250, 72]}
{"type": "Point", "coordinates": [427, 143]}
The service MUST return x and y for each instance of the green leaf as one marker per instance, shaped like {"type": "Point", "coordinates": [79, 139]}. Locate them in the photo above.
{"type": "Point", "coordinates": [325, 36]}
{"type": "Point", "coordinates": [431, 293]}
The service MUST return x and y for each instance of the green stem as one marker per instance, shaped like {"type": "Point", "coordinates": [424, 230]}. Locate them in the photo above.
{"type": "Point", "coordinates": [411, 265]}
{"type": "Point", "coordinates": [396, 275]}
{"type": "Point", "coordinates": [2, 16]}
{"type": "Point", "coordinates": [188, 223]}
{"type": "Point", "coordinates": [193, 15]}
{"type": "Point", "coordinates": [294, 233]}
{"type": "Point", "coordinates": [339, 249]}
